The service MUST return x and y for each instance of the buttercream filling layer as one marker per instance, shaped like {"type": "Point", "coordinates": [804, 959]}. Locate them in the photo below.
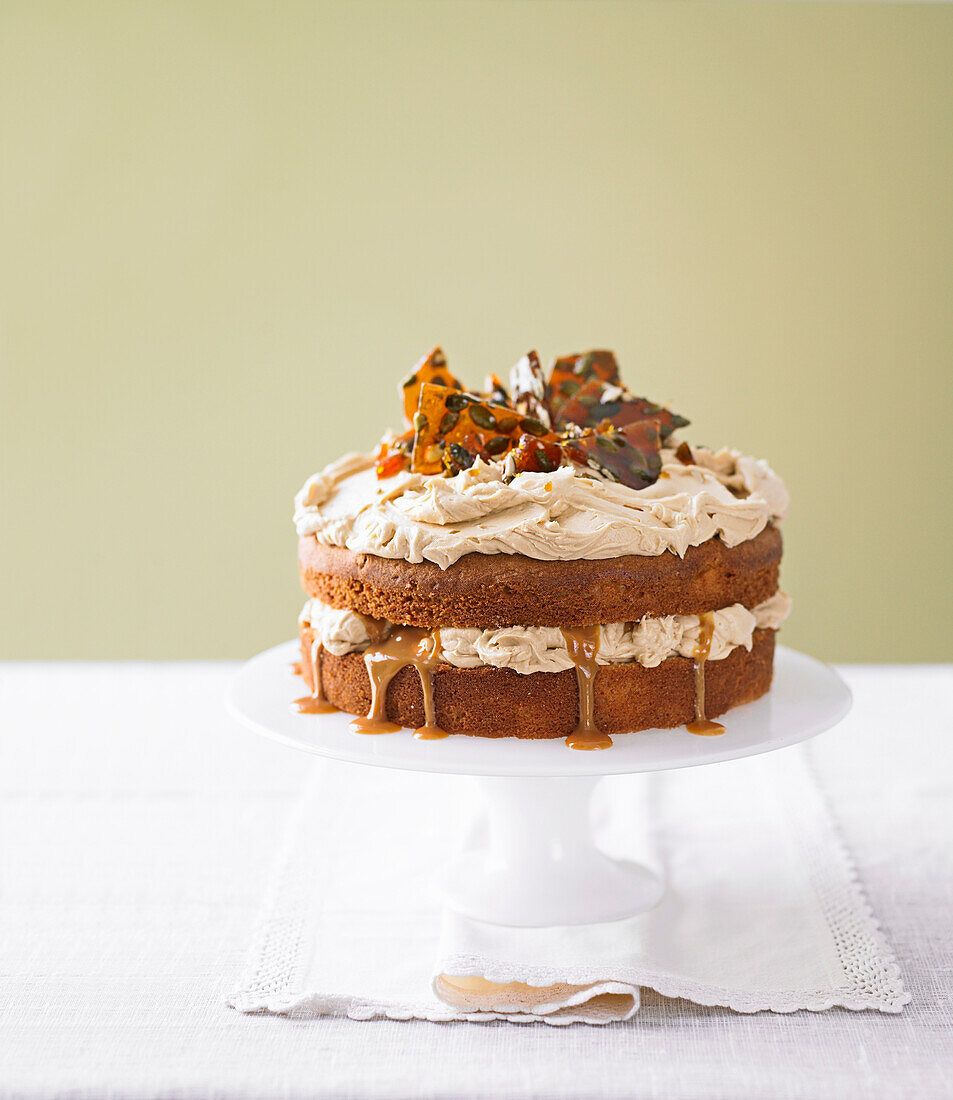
{"type": "Point", "coordinates": [527, 649]}
{"type": "Point", "coordinates": [548, 516]}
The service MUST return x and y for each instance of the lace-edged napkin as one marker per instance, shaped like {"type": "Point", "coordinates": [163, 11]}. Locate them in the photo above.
{"type": "Point", "coordinates": [763, 909]}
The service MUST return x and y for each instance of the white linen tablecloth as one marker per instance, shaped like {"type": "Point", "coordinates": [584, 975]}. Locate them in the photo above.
{"type": "Point", "coordinates": [138, 824]}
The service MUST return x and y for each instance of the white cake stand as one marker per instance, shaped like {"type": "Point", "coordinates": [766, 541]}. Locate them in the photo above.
{"type": "Point", "coordinates": [537, 863]}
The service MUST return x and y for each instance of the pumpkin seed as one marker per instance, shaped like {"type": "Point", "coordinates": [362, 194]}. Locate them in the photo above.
{"type": "Point", "coordinates": [460, 457]}
{"type": "Point", "coordinates": [420, 422]}
{"type": "Point", "coordinates": [448, 422]}
{"type": "Point", "coordinates": [482, 417]}
{"type": "Point", "coordinates": [532, 425]}
{"type": "Point", "coordinates": [506, 424]}
{"type": "Point", "coordinates": [497, 445]}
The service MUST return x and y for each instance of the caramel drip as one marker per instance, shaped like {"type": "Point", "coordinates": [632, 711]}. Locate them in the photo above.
{"type": "Point", "coordinates": [307, 704]}
{"type": "Point", "coordinates": [702, 725]}
{"type": "Point", "coordinates": [430, 733]}
{"type": "Point", "coordinates": [405, 645]}
{"type": "Point", "coordinates": [315, 703]}
{"type": "Point", "coordinates": [706, 628]}
{"type": "Point", "coordinates": [296, 669]}
{"type": "Point", "coordinates": [583, 643]}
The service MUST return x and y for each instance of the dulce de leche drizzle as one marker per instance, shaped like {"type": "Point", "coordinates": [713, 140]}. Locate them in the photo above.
{"type": "Point", "coordinates": [582, 643]}
{"type": "Point", "coordinates": [315, 703]}
{"type": "Point", "coordinates": [405, 645]}
{"type": "Point", "coordinates": [429, 731]}
{"type": "Point", "coordinates": [702, 725]}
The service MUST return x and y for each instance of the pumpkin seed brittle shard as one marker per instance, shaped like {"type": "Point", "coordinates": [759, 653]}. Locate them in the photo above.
{"type": "Point", "coordinates": [587, 389]}
{"type": "Point", "coordinates": [568, 373]}
{"type": "Point", "coordinates": [431, 370]}
{"type": "Point", "coordinates": [535, 455]}
{"type": "Point", "coordinates": [453, 429]}
{"type": "Point", "coordinates": [393, 455]}
{"type": "Point", "coordinates": [494, 390]}
{"type": "Point", "coordinates": [630, 455]}
{"type": "Point", "coordinates": [528, 387]}
{"type": "Point", "coordinates": [595, 402]}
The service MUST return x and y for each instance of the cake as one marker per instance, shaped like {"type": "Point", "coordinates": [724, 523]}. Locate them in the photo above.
{"type": "Point", "coordinates": [541, 559]}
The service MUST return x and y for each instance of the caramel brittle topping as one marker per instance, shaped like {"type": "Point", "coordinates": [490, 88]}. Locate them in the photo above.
{"type": "Point", "coordinates": [432, 369]}
{"type": "Point", "coordinates": [684, 454]}
{"type": "Point", "coordinates": [536, 455]}
{"type": "Point", "coordinates": [529, 389]}
{"type": "Point", "coordinates": [630, 455]}
{"type": "Point", "coordinates": [568, 374]}
{"type": "Point", "coordinates": [600, 424]}
{"type": "Point", "coordinates": [393, 455]}
{"type": "Point", "coordinates": [494, 390]}
{"type": "Point", "coordinates": [452, 429]}
{"type": "Point", "coordinates": [594, 402]}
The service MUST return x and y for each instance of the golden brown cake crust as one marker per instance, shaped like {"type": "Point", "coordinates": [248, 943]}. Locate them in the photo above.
{"type": "Point", "coordinates": [498, 702]}
{"type": "Point", "coordinates": [495, 590]}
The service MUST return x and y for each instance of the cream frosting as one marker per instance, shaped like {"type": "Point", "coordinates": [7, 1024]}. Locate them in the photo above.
{"type": "Point", "coordinates": [338, 631]}
{"type": "Point", "coordinates": [529, 649]}
{"type": "Point", "coordinates": [560, 515]}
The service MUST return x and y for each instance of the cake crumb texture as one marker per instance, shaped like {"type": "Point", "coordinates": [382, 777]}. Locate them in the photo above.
{"type": "Point", "coordinates": [499, 590]}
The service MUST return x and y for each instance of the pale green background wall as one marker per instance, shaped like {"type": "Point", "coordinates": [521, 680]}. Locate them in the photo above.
{"type": "Point", "coordinates": [228, 229]}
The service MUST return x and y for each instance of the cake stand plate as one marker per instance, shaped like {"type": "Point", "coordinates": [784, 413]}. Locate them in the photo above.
{"type": "Point", "coordinates": [533, 860]}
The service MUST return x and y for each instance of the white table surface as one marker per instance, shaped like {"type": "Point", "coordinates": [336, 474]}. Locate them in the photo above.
{"type": "Point", "coordinates": [138, 821]}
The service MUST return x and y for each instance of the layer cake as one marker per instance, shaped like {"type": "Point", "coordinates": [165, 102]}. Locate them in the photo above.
{"type": "Point", "coordinates": [540, 559]}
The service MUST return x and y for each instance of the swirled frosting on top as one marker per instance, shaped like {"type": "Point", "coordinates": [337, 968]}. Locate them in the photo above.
{"type": "Point", "coordinates": [564, 514]}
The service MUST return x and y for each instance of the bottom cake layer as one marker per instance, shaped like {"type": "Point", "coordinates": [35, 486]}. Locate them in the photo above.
{"type": "Point", "coordinates": [500, 702]}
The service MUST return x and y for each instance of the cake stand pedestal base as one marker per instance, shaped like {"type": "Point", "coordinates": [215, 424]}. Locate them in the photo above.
{"type": "Point", "coordinates": [533, 861]}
